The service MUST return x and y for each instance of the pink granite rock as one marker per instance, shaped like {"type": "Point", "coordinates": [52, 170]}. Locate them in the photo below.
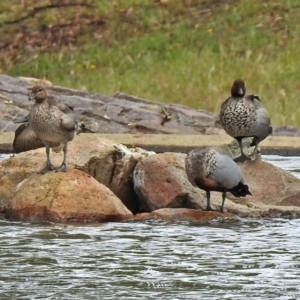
{"type": "Point", "coordinates": [73, 196]}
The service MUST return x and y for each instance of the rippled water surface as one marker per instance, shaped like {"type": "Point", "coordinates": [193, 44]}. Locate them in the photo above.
{"type": "Point", "coordinates": [252, 259]}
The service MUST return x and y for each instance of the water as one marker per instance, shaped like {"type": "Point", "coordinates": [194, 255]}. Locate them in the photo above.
{"type": "Point", "coordinates": [253, 259]}
{"type": "Point", "coordinates": [4, 156]}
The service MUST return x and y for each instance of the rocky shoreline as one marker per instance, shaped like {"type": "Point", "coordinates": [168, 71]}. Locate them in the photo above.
{"type": "Point", "coordinates": [106, 181]}
{"type": "Point", "coordinates": [132, 166]}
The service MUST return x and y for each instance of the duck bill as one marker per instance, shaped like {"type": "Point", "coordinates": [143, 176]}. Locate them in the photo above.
{"type": "Point", "coordinates": [23, 120]}
{"type": "Point", "coordinates": [31, 96]}
{"type": "Point", "coordinates": [241, 91]}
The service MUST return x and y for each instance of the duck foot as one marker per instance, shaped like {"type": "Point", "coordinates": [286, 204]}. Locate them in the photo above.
{"type": "Point", "coordinates": [242, 158]}
{"type": "Point", "coordinates": [49, 167]}
{"type": "Point", "coordinates": [209, 209]}
{"type": "Point", "coordinates": [62, 168]}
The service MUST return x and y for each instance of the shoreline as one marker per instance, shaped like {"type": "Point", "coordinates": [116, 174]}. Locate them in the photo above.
{"type": "Point", "coordinates": [273, 145]}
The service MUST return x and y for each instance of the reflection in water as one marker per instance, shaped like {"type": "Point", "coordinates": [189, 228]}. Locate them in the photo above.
{"type": "Point", "coordinates": [253, 259]}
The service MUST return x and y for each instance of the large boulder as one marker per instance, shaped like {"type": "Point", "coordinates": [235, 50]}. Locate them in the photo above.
{"type": "Point", "coordinates": [160, 181]}
{"type": "Point", "coordinates": [109, 163]}
{"type": "Point", "coordinates": [275, 191]}
{"type": "Point", "coordinates": [73, 196]}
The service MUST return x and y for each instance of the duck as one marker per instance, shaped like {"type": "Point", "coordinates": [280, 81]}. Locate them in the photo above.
{"type": "Point", "coordinates": [212, 169]}
{"type": "Point", "coordinates": [25, 139]}
{"type": "Point", "coordinates": [244, 116]}
{"type": "Point", "coordinates": [51, 124]}
{"type": "Point", "coordinates": [66, 108]}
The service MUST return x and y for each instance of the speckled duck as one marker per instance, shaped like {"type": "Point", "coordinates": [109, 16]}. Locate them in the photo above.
{"type": "Point", "coordinates": [25, 138]}
{"type": "Point", "coordinates": [244, 116]}
{"type": "Point", "coordinates": [51, 124]}
{"type": "Point", "coordinates": [211, 169]}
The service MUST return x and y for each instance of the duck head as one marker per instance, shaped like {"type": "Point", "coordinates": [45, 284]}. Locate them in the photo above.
{"type": "Point", "coordinates": [37, 92]}
{"type": "Point", "coordinates": [241, 190]}
{"type": "Point", "coordinates": [238, 88]}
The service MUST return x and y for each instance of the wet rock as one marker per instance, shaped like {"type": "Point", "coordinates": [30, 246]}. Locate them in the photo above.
{"type": "Point", "coordinates": [65, 197]}
{"type": "Point", "coordinates": [187, 215]}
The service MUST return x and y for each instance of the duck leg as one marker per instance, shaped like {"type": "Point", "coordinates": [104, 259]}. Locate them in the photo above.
{"type": "Point", "coordinates": [255, 151]}
{"type": "Point", "coordinates": [223, 201]}
{"type": "Point", "coordinates": [243, 156]}
{"type": "Point", "coordinates": [255, 142]}
{"type": "Point", "coordinates": [49, 166]}
{"type": "Point", "coordinates": [208, 207]}
{"type": "Point", "coordinates": [63, 166]}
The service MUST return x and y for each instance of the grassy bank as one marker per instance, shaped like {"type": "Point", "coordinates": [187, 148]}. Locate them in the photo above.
{"type": "Point", "coordinates": [174, 51]}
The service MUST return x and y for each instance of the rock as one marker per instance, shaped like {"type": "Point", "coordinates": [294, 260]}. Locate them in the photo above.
{"type": "Point", "coordinates": [286, 130]}
{"type": "Point", "coordinates": [6, 142]}
{"type": "Point", "coordinates": [215, 131]}
{"type": "Point", "coordinates": [187, 215]}
{"type": "Point", "coordinates": [124, 113]}
{"type": "Point", "coordinates": [275, 192]}
{"type": "Point", "coordinates": [110, 164]}
{"type": "Point", "coordinates": [160, 181]}
{"type": "Point", "coordinates": [65, 197]}
{"type": "Point", "coordinates": [234, 150]}
{"type": "Point", "coordinates": [271, 185]}
{"type": "Point", "coordinates": [118, 114]}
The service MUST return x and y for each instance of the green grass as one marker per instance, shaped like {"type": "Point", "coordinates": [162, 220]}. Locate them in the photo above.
{"type": "Point", "coordinates": [175, 51]}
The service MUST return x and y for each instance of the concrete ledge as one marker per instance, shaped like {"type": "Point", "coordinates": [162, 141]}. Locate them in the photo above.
{"type": "Point", "coordinates": [280, 145]}
{"type": "Point", "coordinates": [6, 140]}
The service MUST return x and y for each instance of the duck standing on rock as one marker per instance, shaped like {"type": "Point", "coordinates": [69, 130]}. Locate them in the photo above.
{"type": "Point", "coordinates": [51, 124]}
{"type": "Point", "coordinates": [211, 169]}
{"type": "Point", "coordinates": [244, 116]}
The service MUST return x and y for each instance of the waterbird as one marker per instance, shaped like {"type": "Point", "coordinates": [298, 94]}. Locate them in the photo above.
{"type": "Point", "coordinates": [243, 116]}
{"type": "Point", "coordinates": [51, 124]}
{"type": "Point", "coordinates": [25, 139]}
{"type": "Point", "coordinates": [212, 169]}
